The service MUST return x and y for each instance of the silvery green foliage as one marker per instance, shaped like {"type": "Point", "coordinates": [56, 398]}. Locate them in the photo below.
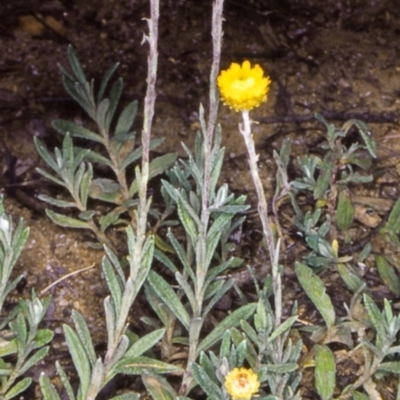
{"type": "Point", "coordinates": [270, 351]}
{"type": "Point", "coordinates": [328, 178]}
{"type": "Point", "coordinates": [12, 243]}
{"type": "Point", "coordinates": [203, 260]}
{"type": "Point", "coordinates": [113, 146]}
{"type": "Point", "coordinates": [382, 350]}
{"type": "Point", "coordinates": [209, 373]}
{"type": "Point", "coordinates": [20, 335]}
{"type": "Point", "coordinates": [317, 172]}
{"type": "Point", "coordinates": [123, 354]}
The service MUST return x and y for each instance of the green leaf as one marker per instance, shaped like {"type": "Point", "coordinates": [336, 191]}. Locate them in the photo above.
{"type": "Point", "coordinates": [145, 343]}
{"type": "Point", "coordinates": [375, 316]}
{"type": "Point", "coordinates": [366, 135]}
{"type": "Point", "coordinates": [216, 170]}
{"type": "Point", "coordinates": [393, 222]}
{"type": "Point", "coordinates": [388, 275]}
{"type": "Point", "coordinates": [66, 222]}
{"type": "Point", "coordinates": [325, 370]}
{"type": "Point", "coordinates": [171, 300]}
{"type": "Point", "coordinates": [250, 332]}
{"type": "Point", "coordinates": [81, 93]}
{"type": "Point", "coordinates": [350, 278]}
{"type": "Point", "coordinates": [76, 65]}
{"type": "Point", "coordinates": [18, 388]}
{"type": "Point", "coordinates": [105, 80]}
{"type": "Point", "coordinates": [44, 153]}
{"type": "Point", "coordinates": [187, 221]}
{"type": "Point", "coordinates": [126, 118]}
{"type": "Point", "coordinates": [107, 190]}
{"type": "Point", "coordinates": [56, 202]}
{"type": "Point", "coordinates": [127, 396]}
{"type": "Point", "coordinates": [360, 396]}
{"type": "Point", "coordinates": [65, 381]}
{"type": "Point", "coordinates": [282, 328]}
{"type": "Point", "coordinates": [101, 113]}
{"type": "Point", "coordinates": [115, 94]}
{"type": "Point", "coordinates": [84, 186]}
{"type": "Point", "coordinates": [158, 386]}
{"type": "Point", "coordinates": [392, 367]}
{"type": "Point", "coordinates": [315, 290]}
{"type": "Point", "coordinates": [97, 380]}
{"type": "Point", "coordinates": [345, 211]}
{"type": "Point", "coordinates": [48, 390]}
{"type": "Point", "coordinates": [63, 126]}
{"type": "Point", "coordinates": [79, 358]}
{"type": "Point", "coordinates": [8, 347]}
{"type": "Point", "coordinates": [38, 356]}
{"type": "Point", "coordinates": [20, 330]}
{"type": "Point", "coordinates": [114, 285]}
{"type": "Point", "coordinates": [138, 365]}
{"type": "Point", "coordinates": [282, 368]}
{"type": "Point", "coordinates": [157, 167]}
{"type": "Point", "coordinates": [212, 390]}
{"type": "Point", "coordinates": [229, 322]}
{"type": "Point", "coordinates": [84, 335]}
{"type": "Point", "coordinates": [135, 155]}
{"type": "Point", "coordinates": [325, 176]}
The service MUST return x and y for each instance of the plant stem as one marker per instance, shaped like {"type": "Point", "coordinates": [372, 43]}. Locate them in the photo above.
{"type": "Point", "coordinates": [197, 320]}
{"type": "Point", "coordinates": [245, 130]}
{"type": "Point", "coordinates": [143, 177]}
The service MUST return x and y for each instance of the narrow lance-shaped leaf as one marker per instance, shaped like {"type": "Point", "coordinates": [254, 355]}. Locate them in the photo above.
{"type": "Point", "coordinates": [18, 388]}
{"type": "Point", "coordinates": [48, 390]}
{"type": "Point", "coordinates": [115, 94]}
{"type": "Point", "coordinates": [171, 300]}
{"type": "Point", "coordinates": [324, 179]}
{"type": "Point", "coordinates": [79, 358]}
{"type": "Point", "coordinates": [315, 289]}
{"type": "Point", "coordinates": [84, 335]}
{"type": "Point", "coordinates": [375, 317]}
{"type": "Point", "coordinates": [158, 386]}
{"type": "Point", "coordinates": [138, 365]}
{"type": "Point", "coordinates": [126, 118]}
{"type": "Point", "coordinates": [212, 390]}
{"type": "Point", "coordinates": [145, 343]}
{"type": "Point", "coordinates": [76, 65]}
{"type": "Point", "coordinates": [388, 275]}
{"type": "Point", "coordinates": [157, 167]}
{"type": "Point", "coordinates": [229, 322]}
{"type": "Point", "coordinates": [66, 222]}
{"type": "Point", "coordinates": [64, 126]}
{"type": "Point", "coordinates": [37, 357]}
{"type": "Point", "coordinates": [65, 381]}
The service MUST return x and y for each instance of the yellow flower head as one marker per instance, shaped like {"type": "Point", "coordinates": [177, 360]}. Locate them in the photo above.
{"type": "Point", "coordinates": [242, 87]}
{"type": "Point", "coordinates": [241, 383]}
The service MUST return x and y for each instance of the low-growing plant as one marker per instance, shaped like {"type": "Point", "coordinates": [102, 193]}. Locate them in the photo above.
{"type": "Point", "coordinates": [23, 343]}
{"type": "Point", "coordinates": [255, 350]}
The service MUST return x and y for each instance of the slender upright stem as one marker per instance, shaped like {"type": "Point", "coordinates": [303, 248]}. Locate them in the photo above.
{"type": "Point", "coordinates": [213, 106]}
{"type": "Point", "coordinates": [149, 104]}
{"type": "Point", "coordinates": [197, 320]}
{"type": "Point", "coordinates": [140, 234]}
{"type": "Point", "coordinates": [245, 130]}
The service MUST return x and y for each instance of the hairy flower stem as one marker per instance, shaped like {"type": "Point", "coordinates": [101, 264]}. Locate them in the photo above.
{"type": "Point", "coordinates": [245, 130]}
{"type": "Point", "coordinates": [131, 291]}
{"type": "Point", "coordinates": [197, 320]}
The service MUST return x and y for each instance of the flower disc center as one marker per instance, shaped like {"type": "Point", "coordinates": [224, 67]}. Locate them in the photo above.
{"type": "Point", "coordinates": [243, 84]}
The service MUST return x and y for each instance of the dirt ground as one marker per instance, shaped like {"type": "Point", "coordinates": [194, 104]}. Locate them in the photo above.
{"type": "Point", "coordinates": [337, 58]}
